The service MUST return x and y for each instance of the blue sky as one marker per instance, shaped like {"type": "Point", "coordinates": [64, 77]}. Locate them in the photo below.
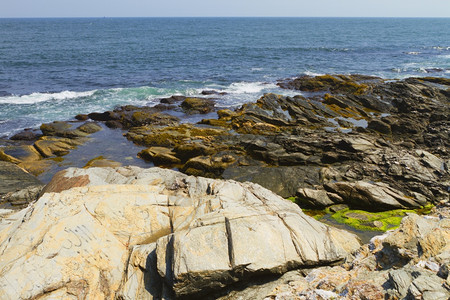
{"type": "Point", "coordinates": [176, 8]}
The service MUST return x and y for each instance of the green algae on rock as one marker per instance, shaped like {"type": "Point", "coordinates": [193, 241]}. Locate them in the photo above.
{"type": "Point", "coordinates": [379, 221]}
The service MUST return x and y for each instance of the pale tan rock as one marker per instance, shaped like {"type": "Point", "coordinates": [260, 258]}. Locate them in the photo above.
{"type": "Point", "coordinates": [149, 233]}
{"type": "Point", "coordinates": [372, 196]}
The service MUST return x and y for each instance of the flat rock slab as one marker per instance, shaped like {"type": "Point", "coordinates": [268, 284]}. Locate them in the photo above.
{"type": "Point", "coordinates": [153, 233]}
{"type": "Point", "coordinates": [13, 178]}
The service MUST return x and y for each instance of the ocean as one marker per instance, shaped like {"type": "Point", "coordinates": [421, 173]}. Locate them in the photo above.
{"type": "Point", "coordinates": [54, 69]}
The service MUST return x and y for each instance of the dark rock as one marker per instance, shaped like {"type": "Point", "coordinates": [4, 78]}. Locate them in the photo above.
{"type": "Point", "coordinates": [172, 99]}
{"type": "Point", "coordinates": [140, 118]}
{"type": "Point", "coordinates": [334, 83]}
{"type": "Point", "coordinates": [190, 150]}
{"type": "Point", "coordinates": [64, 129]}
{"type": "Point", "coordinates": [55, 128]}
{"type": "Point", "coordinates": [284, 181]}
{"type": "Point", "coordinates": [26, 135]}
{"type": "Point", "coordinates": [113, 124]}
{"type": "Point", "coordinates": [90, 127]}
{"type": "Point", "coordinates": [213, 92]}
{"type": "Point", "coordinates": [82, 117]}
{"type": "Point", "coordinates": [13, 178]}
{"type": "Point", "coordinates": [160, 156]}
{"type": "Point", "coordinates": [105, 116]}
{"type": "Point", "coordinates": [209, 166]}
{"type": "Point", "coordinates": [23, 197]}
{"type": "Point", "coordinates": [379, 126]}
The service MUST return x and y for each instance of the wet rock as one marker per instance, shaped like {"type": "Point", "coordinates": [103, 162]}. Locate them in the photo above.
{"type": "Point", "coordinates": [102, 162]}
{"type": "Point", "coordinates": [55, 146]}
{"type": "Point", "coordinates": [26, 135]}
{"type": "Point", "coordinates": [193, 105]}
{"type": "Point", "coordinates": [213, 92]}
{"type": "Point", "coordinates": [284, 181]}
{"type": "Point", "coordinates": [160, 156]}
{"type": "Point", "coordinates": [20, 153]}
{"type": "Point", "coordinates": [114, 124]}
{"type": "Point", "coordinates": [172, 136]}
{"type": "Point", "coordinates": [81, 117]}
{"type": "Point", "coordinates": [105, 116]}
{"type": "Point", "coordinates": [140, 118]}
{"type": "Point", "coordinates": [189, 150]}
{"type": "Point", "coordinates": [90, 127]}
{"type": "Point", "coordinates": [333, 83]}
{"type": "Point", "coordinates": [57, 127]}
{"type": "Point", "coordinates": [107, 235]}
{"type": "Point", "coordinates": [173, 99]}
{"type": "Point", "coordinates": [64, 129]}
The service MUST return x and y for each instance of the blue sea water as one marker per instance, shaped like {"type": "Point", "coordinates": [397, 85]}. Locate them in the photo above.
{"type": "Point", "coordinates": [53, 69]}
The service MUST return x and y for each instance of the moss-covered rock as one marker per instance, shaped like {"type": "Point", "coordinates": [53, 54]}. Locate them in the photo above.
{"type": "Point", "coordinates": [64, 129]}
{"type": "Point", "coordinates": [193, 105]}
{"type": "Point", "coordinates": [55, 146]}
{"type": "Point", "coordinates": [172, 136]}
{"type": "Point", "coordinates": [142, 117]}
{"type": "Point", "coordinates": [102, 162]}
{"type": "Point", "coordinates": [190, 150]}
{"type": "Point", "coordinates": [160, 156]}
{"type": "Point", "coordinates": [20, 153]}
{"type": "Point", "coordinates": [363, 220]}
{"type": "Point", "coordinates": [334, 83]}
{"type": "Point", "coordinates": [90, 127]}
{"type": "Point", "coordinates": [208, 166]}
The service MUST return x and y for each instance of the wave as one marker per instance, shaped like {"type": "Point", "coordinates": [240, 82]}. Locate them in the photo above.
{"type": "Point", "coordinates": [43, 97]}
{"type": "Point", "coordinates": [311, 73]}
{"type": "Point", "coordinates": [249, 87]}
{"type": "Point", "coordinates": [441, 48]}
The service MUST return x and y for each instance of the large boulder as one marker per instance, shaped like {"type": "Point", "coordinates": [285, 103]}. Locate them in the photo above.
{"type": "Point", "coordinates": [372, 196]}
{"type": "Point", "coordinates": [151, 233]}
{"type": "Point", "coordinates": [411, 262]}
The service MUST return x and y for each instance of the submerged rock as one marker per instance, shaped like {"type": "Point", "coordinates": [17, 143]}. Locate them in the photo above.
{"type": "Point", "coordinates": [136, 233]}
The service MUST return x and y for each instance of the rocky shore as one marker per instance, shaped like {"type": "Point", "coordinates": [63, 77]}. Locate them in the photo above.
{"type": "Point", "coordinates": [361, 150]}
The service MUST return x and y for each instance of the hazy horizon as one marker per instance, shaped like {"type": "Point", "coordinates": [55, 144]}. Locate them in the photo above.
{"type": "Point", "coordinates": [221, 8]}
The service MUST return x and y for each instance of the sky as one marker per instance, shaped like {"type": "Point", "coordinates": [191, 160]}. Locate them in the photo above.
{"type": "Point", "coordinates": [223, 8]}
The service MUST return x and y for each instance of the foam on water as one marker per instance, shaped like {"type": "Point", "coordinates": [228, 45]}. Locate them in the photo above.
{"type": "Point", "coordinates": [43, 97]}
{"type": "Point", "coordinates": [249, 87]}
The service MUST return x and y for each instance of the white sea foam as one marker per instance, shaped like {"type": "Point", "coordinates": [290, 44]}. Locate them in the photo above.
{"type": "Point", "coordinates": [441, 48]}
{"type": "Point", "coordinates": [249, 87]}
{"type": "Point", "coordinates": [413, 53]}
{"type": "Point", "coordinates": [310, 73]}
{"type": "Point", "coordinates": [42, 97]}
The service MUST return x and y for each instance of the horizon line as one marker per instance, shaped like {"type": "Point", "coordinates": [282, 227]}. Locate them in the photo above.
{"type": "Point", "coordinates": [174, 17]}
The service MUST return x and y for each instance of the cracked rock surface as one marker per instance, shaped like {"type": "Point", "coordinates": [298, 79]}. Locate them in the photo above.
{"type": "Point", "coordinates": [132, 233]}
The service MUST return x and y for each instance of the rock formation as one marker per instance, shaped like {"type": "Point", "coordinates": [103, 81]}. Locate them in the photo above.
{"type": "Point", "coordinates": [148, 233]}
